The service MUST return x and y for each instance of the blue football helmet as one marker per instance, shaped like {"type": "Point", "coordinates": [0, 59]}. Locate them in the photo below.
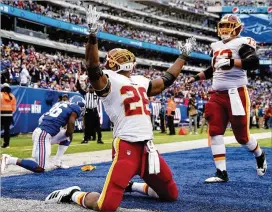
{"type": "Point", "coordinates": [78, 100]}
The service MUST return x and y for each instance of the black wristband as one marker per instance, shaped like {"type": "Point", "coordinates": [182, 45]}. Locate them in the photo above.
{"type": "Point", "coordinates": [182, 57]}
{"type": "Point", "coordinates": [197, 77]}
{"type": "Point", "coordinates": [92, 39]}
{"type": "Point", "coordinates": [231, 63]}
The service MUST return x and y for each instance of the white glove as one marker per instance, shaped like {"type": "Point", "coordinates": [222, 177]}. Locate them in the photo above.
{"type": "Point", "coordinates": [188, 47]}
{"type": "Point", "coordinates": [92, 17]}
{"type": "Point", "coordinates": [223, 63]}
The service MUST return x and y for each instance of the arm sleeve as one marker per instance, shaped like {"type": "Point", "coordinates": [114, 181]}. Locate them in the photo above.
{"type": "Point", "coordinates": [204, 75]}
{"type": "Point", "coordinates": [250, 60]}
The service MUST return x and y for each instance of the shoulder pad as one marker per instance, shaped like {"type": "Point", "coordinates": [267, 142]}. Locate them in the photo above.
{"type": "Point", "coordinates": [75, 108]}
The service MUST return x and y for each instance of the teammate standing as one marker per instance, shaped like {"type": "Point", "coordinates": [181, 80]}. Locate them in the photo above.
{"type": "Point", "coordinates": [229, 101]}
{"type": "Point", "coordinates": [49, 132]}
{"type": "Point", "coordinates": [125, 99]}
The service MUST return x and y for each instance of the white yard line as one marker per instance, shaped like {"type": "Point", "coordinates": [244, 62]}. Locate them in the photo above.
{"type": "Point", "coordinates": [78, 159]}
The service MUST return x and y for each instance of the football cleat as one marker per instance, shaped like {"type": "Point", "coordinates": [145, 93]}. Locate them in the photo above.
{"type": "Point", "coordinates": [261, 164]}
{"type": "Point", "coordinates": [59, 165]}
{"type": "Point", "coordinates": [4, 162]}
{"type": "Point", "coordinates": [62, 196]}
{"type": "Point", "coordinates": [220, 177]}
{"type": "Point", "coordinates": [129, 187]}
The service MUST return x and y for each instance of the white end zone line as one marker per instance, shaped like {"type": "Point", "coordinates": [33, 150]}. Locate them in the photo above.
{"type": "Point", "coordinates": [78, 159]}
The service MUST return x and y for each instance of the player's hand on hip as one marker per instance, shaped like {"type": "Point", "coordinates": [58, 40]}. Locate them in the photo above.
{"type": "Point", "coordinates": [92, 17]}
{"type": "Point", "coordinates": [187, 48]}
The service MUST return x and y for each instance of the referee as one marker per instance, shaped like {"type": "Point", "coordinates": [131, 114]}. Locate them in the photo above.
{"type": "Point", "coordinates": [91, 117]}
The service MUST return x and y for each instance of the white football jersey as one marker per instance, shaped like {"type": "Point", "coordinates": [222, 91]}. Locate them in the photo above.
{"type": "Point", "coordinates": [235, 77]}
{"type": "Point", "coordinates": [127, 105]}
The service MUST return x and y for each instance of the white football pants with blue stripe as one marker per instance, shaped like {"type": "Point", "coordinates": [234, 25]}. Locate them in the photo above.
{"type": "Point", "coordinates": [41, 147]}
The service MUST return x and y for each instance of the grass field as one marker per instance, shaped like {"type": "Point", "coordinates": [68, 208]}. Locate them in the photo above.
{"type": "Point", "coordinates": [21, 146]}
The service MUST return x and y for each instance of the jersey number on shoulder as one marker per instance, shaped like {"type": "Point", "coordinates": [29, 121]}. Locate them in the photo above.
{"type": "Point", "coordinates": [56, 110]}
{"type": "Point", "coordinates": [251, 42]}
{"type": "Point", "coordinates": [226, 53]}
{"type": "Point", "coordinates": [138, 101]}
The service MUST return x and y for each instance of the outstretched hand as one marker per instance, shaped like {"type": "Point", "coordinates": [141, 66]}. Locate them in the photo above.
{"type": "Point", "coordinates": [188, 47]}
{"type": "Point", "coordinates": [92, 17]}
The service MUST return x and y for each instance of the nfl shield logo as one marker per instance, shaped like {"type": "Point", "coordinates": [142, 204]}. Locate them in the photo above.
{"type": "Point", "coordinates": [128, 152]}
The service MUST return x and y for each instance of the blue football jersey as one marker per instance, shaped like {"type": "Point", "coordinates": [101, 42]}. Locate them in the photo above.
{"type": "Point", "coordinates": [58, 117]}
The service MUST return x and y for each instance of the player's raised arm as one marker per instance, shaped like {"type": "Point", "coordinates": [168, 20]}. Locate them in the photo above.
{"type": "Point", "coordinates": [159, 84]}
{"type": "Point", "coordinates": [98, 79]}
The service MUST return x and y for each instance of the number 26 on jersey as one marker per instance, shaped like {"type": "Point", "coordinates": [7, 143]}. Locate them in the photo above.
{"type": "Point", "coordinates": [137, 101]}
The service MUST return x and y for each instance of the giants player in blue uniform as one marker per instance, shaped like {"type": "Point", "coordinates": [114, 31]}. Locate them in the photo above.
{"type": "Point", "coordinates": [50, 132]}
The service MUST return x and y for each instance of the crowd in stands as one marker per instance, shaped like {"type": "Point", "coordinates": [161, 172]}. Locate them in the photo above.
{"type": "Point", "coordinates": [247, 2]}
{"type": "Point", "coordinates": [151, 37]}
{"type": "Point", "coordinates": [201, 4]}
{"type": "Point", "coordinates": [25, 66]}
{"type": "Point", "coordinates": [70, 15]}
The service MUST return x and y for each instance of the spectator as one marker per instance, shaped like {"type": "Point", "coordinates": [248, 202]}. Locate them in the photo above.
{"type": "Point", "coordinates": [162, 118]}
{"type": "Point", "coordinates": [171, 108]}
{"type": "Point", "coordinates": [261, 116]}
{"type": "Point", "coordinates": [24, 76]}
{"type": "Point", "coordinates": [192, 111]}
{"type": "Point", "coordinates": [7, 107]}
{"type": "Point", "coordinates": [268, 117]}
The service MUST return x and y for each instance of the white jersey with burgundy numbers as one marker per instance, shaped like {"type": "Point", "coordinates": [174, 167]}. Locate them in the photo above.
{"type": "Point", "coordinates": [127, 105]}
{"type": "Point", "coordinates": [235, 77]}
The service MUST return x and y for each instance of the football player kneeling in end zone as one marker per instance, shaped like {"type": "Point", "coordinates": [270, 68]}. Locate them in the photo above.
{"type": "Point", "coordinates": [50, 132]}
{"type": "Point", "coordinates": [125, 98]}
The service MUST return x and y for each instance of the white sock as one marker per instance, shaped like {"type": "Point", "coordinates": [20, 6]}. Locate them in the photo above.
{"type": "Point", "coordinates": [79, 198]}
{"type": "Point", "coordinates": [61, 150]}
{"type": "Point", "coordinates": [219, 152]}
{"type": "Point", "coordinates": [12, 160]}
{"type": "Point", "coordinates": [253, 146]}
{"type": "Point", "coordinates": [143, 188]}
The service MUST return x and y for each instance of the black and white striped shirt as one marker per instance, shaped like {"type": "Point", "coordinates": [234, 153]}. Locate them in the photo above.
{"type": "Point", "coordinates": [92, 100]}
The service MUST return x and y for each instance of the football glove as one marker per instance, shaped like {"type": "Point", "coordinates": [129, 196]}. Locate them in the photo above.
{"type": "Point", "coordinates": [224, 64]}
{"type": "Point", "coordinates": [187, 48]}
{"type": "Point", "coordinates": [92, 17]}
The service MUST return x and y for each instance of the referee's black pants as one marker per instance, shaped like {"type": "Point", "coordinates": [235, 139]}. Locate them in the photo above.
{"type": "Point", "coordinates": [92, 125]}
{"type": "Point", "coordinates": [5, 124]}
{"type": "Point", "coordinates": [171, 125]}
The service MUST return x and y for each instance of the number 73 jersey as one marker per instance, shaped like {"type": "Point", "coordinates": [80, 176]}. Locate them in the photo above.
{"type": "Point", "coordinates": [127, 105]}
{"type": "Point", "coordinates": [234, 77]}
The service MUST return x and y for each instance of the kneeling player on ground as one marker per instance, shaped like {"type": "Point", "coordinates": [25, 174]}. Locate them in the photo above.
{"type": "Point", "coordinates": [49, 132]}
{"type": "Point", "coordinates": [125, 99]}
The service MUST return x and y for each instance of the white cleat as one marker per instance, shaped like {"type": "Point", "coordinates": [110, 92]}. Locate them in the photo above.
{"type": "Point", "coordinates": [261, 164]}
{"type": "Point", "coordinates": [60, 165]}
{"type": "Point", "coordinates": [4, 162]}
{"type": "Point", "coordinates": [62, 196]}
